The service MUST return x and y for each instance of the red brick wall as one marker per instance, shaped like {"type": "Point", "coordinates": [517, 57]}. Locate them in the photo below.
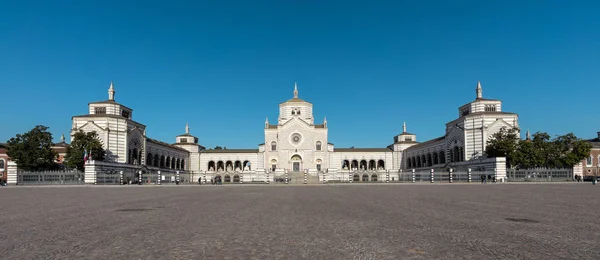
{"type": "Point", "coordinates": [591, 169]}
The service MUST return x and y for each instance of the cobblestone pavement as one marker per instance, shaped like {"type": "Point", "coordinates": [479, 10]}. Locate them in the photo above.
{"type": "Point", "coordinates": [459, 221]}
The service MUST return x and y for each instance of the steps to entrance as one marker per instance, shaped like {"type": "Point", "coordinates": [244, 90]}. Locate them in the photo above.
{"type": "Point", "coordinates": [298, 178]}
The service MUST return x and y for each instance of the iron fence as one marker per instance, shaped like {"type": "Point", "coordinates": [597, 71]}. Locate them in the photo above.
{"type": "Point", "coordinates": [539, 175]}
{"type": "Point", "coordinates": [58, 177]}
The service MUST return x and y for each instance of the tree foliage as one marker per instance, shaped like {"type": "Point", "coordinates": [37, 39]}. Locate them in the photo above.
{"type": "Point", "coordinates": [542, 151]}
{"type": "Point", "coordinates": [504, 143]}
{"type": "Point", "coordinates": [83, 142]}
{"type": "Point", "coordinates": [33, 150]}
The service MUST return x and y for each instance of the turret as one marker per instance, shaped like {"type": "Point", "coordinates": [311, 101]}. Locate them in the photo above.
{"type": "Point", "coordinates": [111, 92]}
{"type": "Point", "coordinates": [295, 90]}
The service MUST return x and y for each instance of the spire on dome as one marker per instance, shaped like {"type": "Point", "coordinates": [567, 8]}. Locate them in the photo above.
{"type": "Point", "coordinates": [62, 138]}
{"type": "Point", "coordinates": [325, 122]}
{"type": "Point", "coordinates": [295, 89]}
{"type": "Point", "coordinates": [404, 127]}
{"type": "Point", "coordinates": [187, 128]}
{"type": "Point", "coordinates": [111, 92]}
{"type": "Point", "coordinates": [478, 90]}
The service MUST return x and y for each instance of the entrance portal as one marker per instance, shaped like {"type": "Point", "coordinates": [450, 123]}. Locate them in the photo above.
{"type": "Point", "coordinates": [296, 160]}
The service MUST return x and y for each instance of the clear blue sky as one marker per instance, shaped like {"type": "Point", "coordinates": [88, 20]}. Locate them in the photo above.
{"type": "Point", "coordinates": [367, 66]}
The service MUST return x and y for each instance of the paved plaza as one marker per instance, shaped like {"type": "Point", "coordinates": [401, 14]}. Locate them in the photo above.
{"type": "Point", "coordinates": [371, 221]}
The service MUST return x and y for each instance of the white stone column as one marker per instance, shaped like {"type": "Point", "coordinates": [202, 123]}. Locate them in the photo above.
{"type": "Point", "coordinates": [11, 173]}
{"type": "Point", "coordinates": [90, 172]}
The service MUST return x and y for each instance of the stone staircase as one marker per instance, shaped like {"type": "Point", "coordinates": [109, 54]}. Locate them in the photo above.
{"type": "Point", "coordinates": [298, 178]}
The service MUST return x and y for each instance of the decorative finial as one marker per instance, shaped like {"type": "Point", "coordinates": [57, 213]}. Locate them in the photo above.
{"type": "Point", "coordinates": [478, 90]}
{"type": "Point", "coordinates": [267, 122]}
{"type": "Point", "coordinates": [528, 135]}
{"type": "Point", "coordinates": [62, 138]}
{"type": "Point", "coordinates": [187, 128]}
{"type": "Point", "coordinates": [325, 122]}
{"type": "Point", "coordinates": [295, 89]}
{"type": "Point", "coordinates": [111, 92]}
{"type": "Point", "coordinates": [404, 127]}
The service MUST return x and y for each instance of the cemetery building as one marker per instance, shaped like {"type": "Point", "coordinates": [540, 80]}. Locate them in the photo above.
{"type": "Point", "coordinates": [297, 143]}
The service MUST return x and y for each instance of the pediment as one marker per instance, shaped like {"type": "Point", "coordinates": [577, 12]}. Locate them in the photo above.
{"type": "Point", "coordinates": [90, 126]}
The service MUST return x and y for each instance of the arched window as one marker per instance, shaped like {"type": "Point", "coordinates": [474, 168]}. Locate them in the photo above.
{"type": "Point", "coordinates": [381, 164]}
{"type": "Point", "coordinates": [273, 146]}
{"type": "Point", "coordinates": [168, 162]}
{"type": "Point", "coordinates": [182, 164]}
{"type": "Point", "coordinates": [1, 164]}
{"type": "Point", "coordinates": [442, 157]}
{"type": "Point", "coordinates": [318, 146]}
{"type": "Point", "coordinates": [156, 160]}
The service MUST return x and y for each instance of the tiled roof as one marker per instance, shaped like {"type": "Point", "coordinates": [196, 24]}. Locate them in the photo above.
{"type": "Point", "coordinates": [294, 100]}
{"type": "Point", "coordinates": [165, 144]}
{"type": "Point", "coordinates": [346, 150]}
{"type": "Point", "coordinates": [231, 151]}
{"type": "Point", "coordinates": [427, 142]}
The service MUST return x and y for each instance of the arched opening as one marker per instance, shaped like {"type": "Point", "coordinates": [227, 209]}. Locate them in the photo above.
{"type": "Point", "coordinates": [162, 161]}
{"type": "Point", "coordinates": [409, 163]}
{"type": "Point", "coordinates": [442, 157]}
{"type": "Point", "coordinates": [429, 161]}
{"type": "Point", "coordinates": [173, 161]}
{"type": "Point", "coordinates": [135, 159]}
{"type": "Point", "coordinates": [182, 164]}
{"type": "Point", "coordinates": [148, 159]}
{"type": "Point", "coordinates": [435, 158]}
{"type": "Point", "coordinates": [456, 154]}
{"type": "Point", "coordinates": [414, 162]}
{"type": "Point", "coordinates": [229, 166]}
{"type": "Point", "coordinates": [211, 166]}
{"type": "Point", "coordinates": [237, 166]}
{"type": "Point", "coordinates": [227, 178]}
{"type": "Point", "coordinates": [319, 162]}
{"type": "Point", "coordinates": [354, 165]}
{"type": "Point", "coordinates": [372, 165]}
{"type": "Point", "coordinates": [318, 146]}
{"type": "Point", "coordinates": [345, 164]}
{"type": "Point", "coordinates": [178, 164]}
{"type": "Point", "coordinates": [168, 162]}
{"type": "Point", "coordinates": [273, 165]}
{"type": "Point", "coordinates": [381, 165]}
{"type": "Point", "coordinates": [236, 178]}
{"type": "Point", "coordinates": [156, 160]}
{"type": "Point", "coordinates": [220, 166]}
{"type": "Point", "coordinates": [273, 146]}
{"type": "Point", "coordinates": [1, 164]}
{"type": "Point", "coordinates": [418, 161]}
{"type": "Point", "coordinates": [423, 160]}
{"type": "Point", "coordinates": [296, 163]}
{"type": "Point", "coordinates": [356, 178]}
{"type": "Point", "coordinates": [374, 177]}
{"type": "Point", "coordinates": [365, 177]}
{"type": "Point", "coordinates": [363, 165]}
{"type": "Point", "coordinates": [247, 166]}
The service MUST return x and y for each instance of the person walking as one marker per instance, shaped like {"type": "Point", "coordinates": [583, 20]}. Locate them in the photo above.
{"type": "Point", "coordinates": [482, 177]}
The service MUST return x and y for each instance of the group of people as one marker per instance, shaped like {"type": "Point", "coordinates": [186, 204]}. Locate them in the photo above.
{"type": "Point", "coordinates": [216, 180]}
{"type": "Point", "coordinates": [489, 178]}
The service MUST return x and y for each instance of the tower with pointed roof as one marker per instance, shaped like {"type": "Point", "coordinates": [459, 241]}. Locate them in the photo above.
{"type": "Point", "coordinates": [295, 142]}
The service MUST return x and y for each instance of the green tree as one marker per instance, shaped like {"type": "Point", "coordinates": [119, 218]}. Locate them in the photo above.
{"type": "Point", "coordinates": [504, 143]}
{"type": "Point", "coordinates": [570, 150]}
{"type": "Point", "coordinates": [83, 142]}
{"type": "Point", "coordinates": [32, 150]}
